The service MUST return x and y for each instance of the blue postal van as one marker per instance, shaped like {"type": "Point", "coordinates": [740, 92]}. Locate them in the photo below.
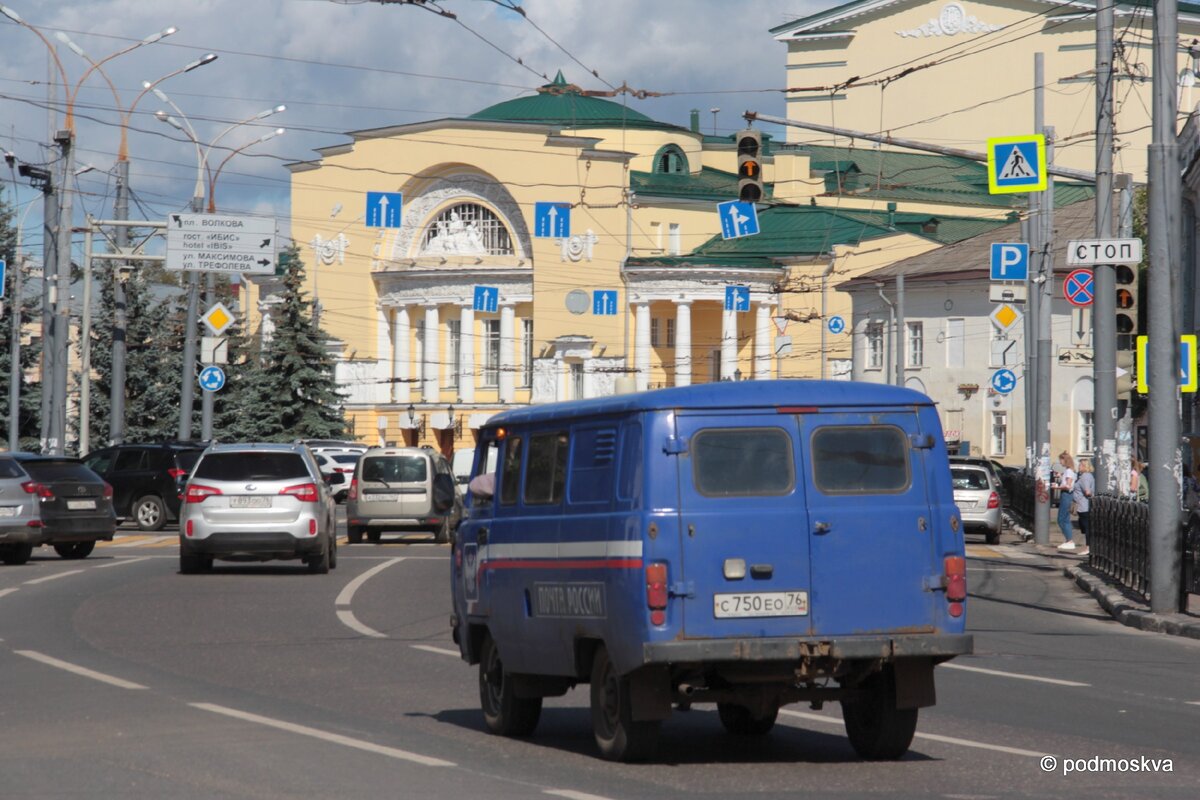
{"type": "Point", "coordinates": [749, 544]}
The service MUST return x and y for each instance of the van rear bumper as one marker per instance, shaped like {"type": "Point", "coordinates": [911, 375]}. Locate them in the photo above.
{"type": "Point", "coordinates": [923, 645]}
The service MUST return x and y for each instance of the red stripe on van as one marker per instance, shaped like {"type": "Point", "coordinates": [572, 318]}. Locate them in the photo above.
{"type": "Point", "coordinates": [555, 563]}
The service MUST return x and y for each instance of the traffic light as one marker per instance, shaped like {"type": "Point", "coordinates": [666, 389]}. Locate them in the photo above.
{"type": "Point", "coordinates": [749, 153]}
{"type": "Point", "coordinates": [1125, 374]}
{"type": "Point", "coordinates": [1127, 305]}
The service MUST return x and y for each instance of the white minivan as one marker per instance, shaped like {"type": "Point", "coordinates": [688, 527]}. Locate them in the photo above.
{"type": "Point", "coordinates": [402, 489]}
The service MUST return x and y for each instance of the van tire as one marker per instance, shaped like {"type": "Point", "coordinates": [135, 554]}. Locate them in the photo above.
{"type": "Point", "coordinates": [617, 735]}
{"type": "Point", "coordinates": [739, 721]}
{"type": "Point", "coordinates": [354, 534]}
{"type": "Point", "coordinates": [74, 550]}
{"type": "Point", "coordinates": [150, 513]}
{"type": "Point", "coordinates": [16, 554]}
{"type": "Point", "coordinates": [879, 731]}
{"type": "Point", "coordinates": [504, 713]}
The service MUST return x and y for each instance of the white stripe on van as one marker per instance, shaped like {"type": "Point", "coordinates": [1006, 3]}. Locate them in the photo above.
{"type": "Point", "coordinates": [599, 549]}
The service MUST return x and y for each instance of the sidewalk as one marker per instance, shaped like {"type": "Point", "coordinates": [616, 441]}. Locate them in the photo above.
{"type": "Point", "coordinates": [1124, 606]}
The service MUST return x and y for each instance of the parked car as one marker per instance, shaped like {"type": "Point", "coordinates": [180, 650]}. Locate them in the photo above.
{"type": "Point", "coordinates": [257, 502]}
{"type": "Point", "coordinates": [334, 478]}
{"type": "Point", "coordinates": [147, 479]}
{"type": "Point", "coordinates": [402, 489]}
{"type": "Point", "coordinates": [334, 447]}
{"type": "Point", "coordinates": [977, 495]}
{"type": "Point", "coordinates": [995, 468]}
{"type": "Point", "coordinates": [343, 465]}
{"type": "Point", "coordinates": [20, 519]}
{"type": "Point", "coordinates": [75, 504]}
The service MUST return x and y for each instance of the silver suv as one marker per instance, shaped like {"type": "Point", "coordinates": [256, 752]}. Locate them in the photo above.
{"type": "Point", "coordinates": [257, 502]}
{"type": "Point", "coordinates": [402, 488]}
{"type": "Point", "coordinates": [20, 520]}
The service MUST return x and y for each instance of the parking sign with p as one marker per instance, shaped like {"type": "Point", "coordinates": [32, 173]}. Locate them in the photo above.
{"type": "Point", "coordinates": [1010, 261]}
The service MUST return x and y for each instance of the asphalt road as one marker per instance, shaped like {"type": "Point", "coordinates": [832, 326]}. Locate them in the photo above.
{"type": "Point", "coordinates": [123, 679]}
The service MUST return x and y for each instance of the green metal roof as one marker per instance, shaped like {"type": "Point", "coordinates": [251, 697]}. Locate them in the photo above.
{"type": "Point", "coordinates": [564, 104]}
{"type": "Point", "coordinates": [708, 184]}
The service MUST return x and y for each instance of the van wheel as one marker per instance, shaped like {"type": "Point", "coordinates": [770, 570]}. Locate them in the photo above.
{"type": "Point", "coordinates": [504, 712]}
{"type": "Point", "coordinates": [617, 735]}
{"type": "Point", "coordinates": [16, 554]}
{"type": "Point", "coordinates": [73, 550]}
{"type": "Point", "coordinates": [442, 534]}
{"type": "Point", "coordinates": [150, 513]}
{"type": "Point", "coordinates": [353, 534]}
{"type": "Point", "coordinates": [739, 721]}
{"type": "Point", "coordinates": [879, 731]}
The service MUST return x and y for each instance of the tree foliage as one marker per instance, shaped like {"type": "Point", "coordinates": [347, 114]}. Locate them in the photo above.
{"type": "Point", "coordinates": [30, 393]}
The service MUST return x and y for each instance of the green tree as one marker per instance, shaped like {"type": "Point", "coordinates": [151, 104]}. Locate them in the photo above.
{"type": "Point", "coordinates": [31, 394]}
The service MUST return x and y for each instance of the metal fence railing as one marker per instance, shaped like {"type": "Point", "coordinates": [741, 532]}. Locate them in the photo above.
{"type": "Point", "coordinates": [1119, 541]}
{"type": "Point", "coordinates": [1021, 501]}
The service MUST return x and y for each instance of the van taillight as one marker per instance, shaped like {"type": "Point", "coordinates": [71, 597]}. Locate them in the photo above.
{"type": "Point", "coordinates": [994, 500]}
{"type": "Point", "coordinates": [196, 493]}
{"type": "Point", "coordinates": [956, 583]}
{"type": "Point", "coordinates": [656, 592]}
{"type": "Point", "coordinates": [352, 494]}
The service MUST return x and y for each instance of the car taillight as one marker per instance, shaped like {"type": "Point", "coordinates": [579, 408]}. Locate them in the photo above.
{"type": "Point", "coordinates": [656, 592]}
{"type": "Point", "coordinates": [108, 491]}
{"type": "Point", "coordinates": [187, 529]}
{"type": "Point", "coordinates": [352, 494]}
{"type": "Point", "coordinates": [30, 487]}
{"type": "Point", "coordinates": [40, 489]}
{"type": "Point", "coordinates": [994, 500]}
{"type": "Point", "coordinates": [176, 473]}
{"type": "Point", "coordinates": [304, 492]}
{"type": "Point", "coordinates": [955, 579]}
{"type": "Point", "coordinates": [196, 493]}
{"type": "Point", "coordinates": [312, 527]}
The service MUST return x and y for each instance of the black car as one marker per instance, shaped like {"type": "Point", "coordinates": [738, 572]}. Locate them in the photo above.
{"type": "Point", "coordinates": [74, 502]}
{"type": "Point", "coordinates": [147, 479]}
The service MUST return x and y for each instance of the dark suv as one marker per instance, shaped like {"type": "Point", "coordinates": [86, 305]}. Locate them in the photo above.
{"type": "Point", "coordinates": [147, 479]}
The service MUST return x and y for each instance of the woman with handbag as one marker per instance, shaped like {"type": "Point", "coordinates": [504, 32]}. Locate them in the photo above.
{"type": "Point", "coordinates": [1066, 485]}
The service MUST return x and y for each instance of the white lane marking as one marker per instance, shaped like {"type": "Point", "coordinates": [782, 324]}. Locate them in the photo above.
{"type": "Point", "coordinates": [1193, 702]}
{"type": "Point", "coordinates": [78, 670]}
{"type": "Point", "coordinates": [53, 577]}
{"type": "Point", "coordinates": [121, 561]}
{"type": "Point", "coordinates": [348, 619]}
{"type": "Point", "coordinates": [347, 594]}
{"type": "Point", "coordinates": [933, 737]}
{"type": "Point", "coordinates": [142, 541]}
{"type": "Point", "coordinates": [3, 592]}
{"type": "Point", "coordinates": [441, 650]}
{"type": "Point", "coordinates": [334, 738]}
{"type": "Point", "coordinates": [1017, 675]}
{"type": "Point", "coordinates": [570, 794]}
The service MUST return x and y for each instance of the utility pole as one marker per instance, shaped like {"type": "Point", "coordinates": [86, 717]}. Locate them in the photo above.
{"type": "Point", "coordinates": [206, 398]}
{"type": "Point", "coordinates": [62, 305]}
{"type": "Point", "coordinates": [14, 351]}
{"type": "Point", "coordinates": [1124, 185]}
{"type": "Point", "coordinates": [187, 387]}
{"type": "Point", "coordinates": [900, 330]}
{"type": "Point", "coordinates": [1166, 198]}
{"type": "Point", "coordinates": [49, 264]}
{"type": "Point", "coordinates": [116, 407]}
{"type": "Point", "coordinates": [1104, 304]}
{"type": "Point", "coordinates": [1030, 341]}
{"type": "Point", "coordinates": [1041, 522]}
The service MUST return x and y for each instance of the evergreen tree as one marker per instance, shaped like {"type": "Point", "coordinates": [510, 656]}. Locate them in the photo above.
{"type": "Point", "coordinates": [31, 394]}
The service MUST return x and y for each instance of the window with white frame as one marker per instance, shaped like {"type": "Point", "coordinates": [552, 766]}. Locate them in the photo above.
{"type": "Point", "coordinates": [1004, 350]}
{"type": "Point", "coordinates": [576, 381]}
{"type": "Point", "coordinates": [1087, 432]}
{"type": "Point", "coordinates": [491, 352]}
{"type": "Point", "coordinates": [453, 352]}
{"type": "Point", "coordinates": [527, 352]}
{"type": "Point", "coordinates": [670, 332]}
{"type": "Point", "coordinates": [916, 344]}
{"type": "Point", "coordinates": [654, 340]}
{"type": "Point", "coordinates": [875, 345]}
{"type": "Point", "coordinates": [999, 433]}
{"type": "Point", "coordinates": [656, 235]}
{"type": "Point", "coordinates": [676, 238]}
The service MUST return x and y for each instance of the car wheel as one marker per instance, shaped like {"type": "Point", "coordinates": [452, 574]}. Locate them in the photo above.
{"type": "Point", "coordinates": [16, 554]}
{"type": "Point", "coordinates": [73, 550]}
{"type": "Point", "coordinates": [333, 551]}
{"type": "Point", "coordinates": [739, 721]}
{"type": "Point", "coordinates": [503, 712]}
{"type": "Point", "coordinates": [353, 534]}
{"type": "Point", "coordinates": [879, 731]}
{"type": "Point", "coordinates": [150, 513]}
{"type": "Point", "coordinates": [191, 563]}
{"type": "Point", "coordinates": [374, 536]}
{"type": "Point", "coordinates": [993, 537]}
{"type": "Point", "coordinates": [617, 735]}
{"type": "Point", "coordinates": [319, 563]}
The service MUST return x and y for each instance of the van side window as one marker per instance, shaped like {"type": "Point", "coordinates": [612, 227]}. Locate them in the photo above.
{"type": "Point", "coordinates": [860, 459]}
{"type": "Point", "coordinates": [510, 476]}
{"type": "Point", "coordinates": [735, 462]}
{"type": "Point", "coordinates": [630, 479]}
{"type": "Point", "coordinates": [593, 465]}
{"type": "Point", "coordinates": [547, 473]}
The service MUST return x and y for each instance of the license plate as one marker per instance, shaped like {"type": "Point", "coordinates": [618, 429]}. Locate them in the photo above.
{"type": "Point", "coordinates": [80, 505]}
{"type": "Point", "coordinates": [760, 604]}
{"type": "Point", "coordinates": [9, 511]}
{"type": "Point", "coordinates": [965, 503]}
{"type": "Point", "coordinates": [382, 498]}
{"type": "Point", "coordinates": [249, 501]}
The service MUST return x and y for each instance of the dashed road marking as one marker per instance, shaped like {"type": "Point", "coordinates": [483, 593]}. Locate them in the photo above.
{"type": "Point", "coordinates": [75, 669]}
{"type": "Point", "coordinates": [123, 560]}
{"type": "Point", "coordinates": [932, 737]}
{"type": "Point", "coordinates": [4, 592]}
{"type": "Point", "coordinates": [570, 794]}
{"type": "Point", "coordinates": [1017, 675]}
{"type": "Point", "coordinates": [428, 648]}
{"type": "Point", "coordinates": [54, 577]}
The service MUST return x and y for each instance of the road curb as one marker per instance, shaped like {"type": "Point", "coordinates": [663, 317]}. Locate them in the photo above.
{"type": "Point", "coordinates": [1127, 610]}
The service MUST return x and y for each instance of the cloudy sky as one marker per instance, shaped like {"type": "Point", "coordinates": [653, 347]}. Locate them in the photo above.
{"type": "Point", "coordinates": [342, 65]}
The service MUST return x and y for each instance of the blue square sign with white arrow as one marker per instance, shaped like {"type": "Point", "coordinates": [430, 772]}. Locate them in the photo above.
{"type": "Point", "coordinates": [1010, 261]}
{"type": "Point", "coordinates": [487, 299]}
{"type": "Point", "coordinates": [737, 298]}
{"type": "Point", "coordinates": [604, 302]}
{"type": "Point", "coordinates": [383, 209]}
{"type": "Point", "coordinates": [551, 220]}
{"type": "Point", "coordinates": [737, 219]}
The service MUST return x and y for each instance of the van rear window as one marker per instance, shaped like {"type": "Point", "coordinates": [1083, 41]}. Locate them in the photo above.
{"type": "Point", "coordinates": [860, 459]}
{"type": "Point", "coordinates": [395, 469]}
{"type": "Point", "coordinates": [736, 462]}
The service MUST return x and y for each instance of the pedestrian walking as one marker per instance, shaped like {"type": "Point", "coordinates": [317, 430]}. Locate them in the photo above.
{"type": "Point", "coordinates": [1081, 495]}
{"type": "Point", "coordinates": [1138, 486]}
{"type": "Point", "coordinates": [1066, 485]}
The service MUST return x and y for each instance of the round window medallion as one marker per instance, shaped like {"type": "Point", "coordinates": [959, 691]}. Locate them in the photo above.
{"type": "Point", "coordinates": [578, 301]}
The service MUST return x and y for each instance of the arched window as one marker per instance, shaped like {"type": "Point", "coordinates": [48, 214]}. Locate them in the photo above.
{"type": "Point", "coordinates": [467, 229]}
{"type": "Point", "coordinates": [670, 160]}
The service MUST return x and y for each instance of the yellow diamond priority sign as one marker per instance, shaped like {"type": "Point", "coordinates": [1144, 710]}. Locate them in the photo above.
{"type": "Point", "coordinates": [1005, 317]}
{"type": "Point", "coordinates": [218, 318]}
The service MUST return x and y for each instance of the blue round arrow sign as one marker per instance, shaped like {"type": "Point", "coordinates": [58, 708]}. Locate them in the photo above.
{"type": "Point", "coordinates": [212, 379]}
{"type": "Point", "coordinates": [836, 324]}
{"type": "Point", "coordinates": [1004, 380]}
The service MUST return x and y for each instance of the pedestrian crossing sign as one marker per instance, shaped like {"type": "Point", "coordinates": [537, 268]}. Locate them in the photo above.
{"type": "Point", "coordinates": [1016, 164]}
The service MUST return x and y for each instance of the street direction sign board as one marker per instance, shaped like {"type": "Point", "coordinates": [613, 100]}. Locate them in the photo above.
{"type": "Point", "coordinates": [783, 345]}
{"type": "Point", "coordinates": [384, 209]}
{"type": "Point", "coordinates": [1005, 316]}
{"type": "Point", "coordinates": [212, 378]}
{"type": "Point", "coordinates": [1187, 364]}
{"type": "Point", "coordinates": [214, 350]}
{"type": "Point", "coordinates": [218, 318]}
{"type": "Point", "coordinates": [737, 298]}
{"type": "Point", "coordinates": [1079, 287]}
{"type": "Point", "coordinates": [211, 243]}
{"type": "Point", "coordinates": [836, 324]}
{"type": "Point", "coordinates": [487, 299]}
{"type": "Point", "coordinates": [737, 219]}
{"type": "Point", "coordinates": [1090, 252]}
{"type": "Point", "coordinates": [1016, 164]}
{"type": "Point", "coordinates": [1076, 356]}
{"type": "Point", "coordinates": [551, 220]}
{"type": "Point", "coordinates": [1010, 261]}
{"type": "Point", "coordinates": [1004, 381]}
{"type": "Point", "coordinates": [604, 302]}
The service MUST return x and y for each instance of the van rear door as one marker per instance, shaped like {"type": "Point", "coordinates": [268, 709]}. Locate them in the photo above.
{"type": "Point", "coordinates": [744, 525]}
{"type": "Point", "coordinates": [872, 532]}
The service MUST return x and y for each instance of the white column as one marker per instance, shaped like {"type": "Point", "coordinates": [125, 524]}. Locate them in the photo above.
{"type": "Point", "coordinates": [683, 343]}
{"type": "Point", "coordinates": [641, 346]}
{"type": "Point", "coordinates": [508, 364]}
{"type": "Point", "coordinates": [430, 388]}
{"type": "Point", "coordinates": [728, 344]}
{"type": "Point", "coordinates": [762, 342]}
{"type": "Point", "coordinates": [401, 358]}
{"type": "Point", "coordinates": [466, 354]}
